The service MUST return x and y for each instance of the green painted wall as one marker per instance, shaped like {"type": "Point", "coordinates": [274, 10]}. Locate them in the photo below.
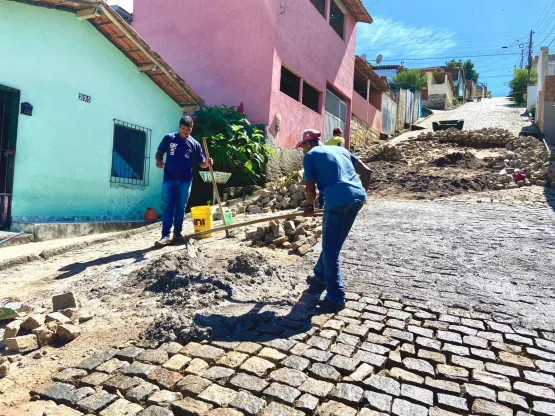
{"type": "Point", "coordinates": [64, 151]}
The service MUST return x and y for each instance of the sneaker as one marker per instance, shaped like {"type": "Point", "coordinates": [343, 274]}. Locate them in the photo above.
{"type": "Point", "coordinates": [178, 238]}
{"type": "Point", "coordinates": [163, 242]}
{"type": "Point", "coordinates": [329, 305]}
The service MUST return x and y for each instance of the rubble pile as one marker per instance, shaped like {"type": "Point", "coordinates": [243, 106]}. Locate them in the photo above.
{"type": "Point", "coordinates": [480, 139]}
{"type": "Point", "coordinates": [531, 156]}
{"type": "Point", "coordinates": [298, 235]}
{"type": "Point", "coordinates": [380, 152]}
{"type": "Point", "coordinates": [26, 334]}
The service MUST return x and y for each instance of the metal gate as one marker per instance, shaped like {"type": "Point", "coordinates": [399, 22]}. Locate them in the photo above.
{"type": "Point", "coordinates": [336, 114]}
{"type": "Point", "coordinates": [9, 106]}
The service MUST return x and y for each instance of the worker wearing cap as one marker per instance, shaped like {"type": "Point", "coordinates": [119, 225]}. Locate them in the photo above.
{"type": "Point", "coordinates": [334, 170]}
{"type": "Point", "coordinates": [337, 139]}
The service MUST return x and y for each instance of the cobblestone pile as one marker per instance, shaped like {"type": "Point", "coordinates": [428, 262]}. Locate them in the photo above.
{"type": "Point", "coordinates": [374, 358]}
{"type": "Point", "coordinates": [483, 138]}
{"type": "Point", "coordinates": [298, 235]}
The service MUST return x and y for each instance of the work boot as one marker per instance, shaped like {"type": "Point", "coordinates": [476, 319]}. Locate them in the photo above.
{"type": "Point", "coordinates": [315, 284]}
{"type": "Point", "coordinates": [163, 242]}
{"type": "Point", "coordinates": [328, 305]}
{"type": "Point", "coordinates": [178, 238]}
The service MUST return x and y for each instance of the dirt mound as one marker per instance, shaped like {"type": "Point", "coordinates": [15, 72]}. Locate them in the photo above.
{"type": "Point", "coordinates": [461, 160]}
{"type": "Point", "coordinates": [478, 139]}
{"type": "Point", "coordinates": [174, 327]}
{"type": "Point", "coordinates": [248, 264]}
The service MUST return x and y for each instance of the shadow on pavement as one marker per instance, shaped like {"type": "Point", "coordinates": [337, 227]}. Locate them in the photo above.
{"type": "Point", "coordinates": [549, 194]}
{"type": "Point", "coordinates": [76, 268]}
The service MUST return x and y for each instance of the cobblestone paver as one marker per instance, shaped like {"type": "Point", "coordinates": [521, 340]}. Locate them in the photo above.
{"type": "Point", "coordinates": [423, 365]}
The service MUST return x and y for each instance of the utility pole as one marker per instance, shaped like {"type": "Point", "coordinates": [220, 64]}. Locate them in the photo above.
{"type": "Point", "coordinates": [521, 58]}
{"type": "Point", "coordinates": [530, 56]}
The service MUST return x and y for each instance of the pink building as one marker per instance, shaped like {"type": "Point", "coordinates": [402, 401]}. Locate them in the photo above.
{"type": "Point", "coordinates": [291, 62]}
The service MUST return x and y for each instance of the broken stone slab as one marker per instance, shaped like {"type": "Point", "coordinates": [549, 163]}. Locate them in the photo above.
{"type": "Point", "coordinates": [64, 301]}
{"type": "Point", "coordinates": [32, 322]}
{"type": "Point", "coordinates": [67, 332]}
{"type": "Point", "coordinates": [11, 330]}
{"type": "Point", "coordinates": [44, 335]}
{"type": "Point", "coordinates": [57, 317]}
{"type": "Point", "coordinates": [24, 343]}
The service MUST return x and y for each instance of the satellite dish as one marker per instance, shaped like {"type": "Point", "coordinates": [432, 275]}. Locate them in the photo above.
{"type": "Point", "coordinates": [363, 57]}
{"type": "Point", "coordinates": [379, 59]}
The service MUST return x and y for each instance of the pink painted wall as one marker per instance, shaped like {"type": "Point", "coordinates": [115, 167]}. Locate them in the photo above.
{"type": "Point", "coordinates": [360, 107]}
{"type": "Point", "coordinates": [223, 49]}
{"type": "Point", "coordinates": [232, 51]}
{"type": "Point", "coordinates": [371, 112]}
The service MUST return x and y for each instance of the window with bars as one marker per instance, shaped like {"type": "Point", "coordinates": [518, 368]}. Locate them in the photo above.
{"type": "Point", "coordinates": [131, 154]}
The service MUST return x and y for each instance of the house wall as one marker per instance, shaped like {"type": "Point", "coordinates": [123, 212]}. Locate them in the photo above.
{"type": "Point", "coordinates": [547, 126]}
{"type": "Point", "coordinates": [401, 110]}
{"type": "Point", "coordinates": [369, 112]}
{"type": "Point", "coordinates": [64, 150]}
{"type": "Point", "coordinates": [440, 96]}
{"type": "Point", "coordinates": [531, 96]}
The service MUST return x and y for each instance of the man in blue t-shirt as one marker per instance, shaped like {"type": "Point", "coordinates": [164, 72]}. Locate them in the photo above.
{"type": "Point", "coordinates": [182, 153]}
{"type": "Point", "coordinates": [334, 170]}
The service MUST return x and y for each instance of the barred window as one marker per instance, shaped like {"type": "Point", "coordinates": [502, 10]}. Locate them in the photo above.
{"type": "Point", "coordinates": [131, 154]}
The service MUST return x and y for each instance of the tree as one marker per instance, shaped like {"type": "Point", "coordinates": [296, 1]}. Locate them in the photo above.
{"type": "Point", "coordinates": [519, 83]}
{"type": "Point", "coordinates": [468, 66]}
{"type": "Point", "coordinates": [410, 80]}
{"type": "Point", "coordinates": [454, 63]}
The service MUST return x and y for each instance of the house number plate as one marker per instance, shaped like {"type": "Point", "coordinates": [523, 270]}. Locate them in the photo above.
{"type": "Point", "coordinates": [84, 98]}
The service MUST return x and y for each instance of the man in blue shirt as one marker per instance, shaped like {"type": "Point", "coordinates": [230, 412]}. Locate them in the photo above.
{"type": "Point", "coordinates": [334, 170]}
{"type": "Point", "coordinates": [182, 153]}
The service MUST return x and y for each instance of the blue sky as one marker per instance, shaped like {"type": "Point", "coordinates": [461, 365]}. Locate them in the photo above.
{"type": "Point", "coordinates": [407, 30]}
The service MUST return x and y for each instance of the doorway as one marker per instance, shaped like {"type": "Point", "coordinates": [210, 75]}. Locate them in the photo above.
{"type": "Point", "coordinates": [9, 106]}
{"type": "Point", "coordinates": [335, 115]}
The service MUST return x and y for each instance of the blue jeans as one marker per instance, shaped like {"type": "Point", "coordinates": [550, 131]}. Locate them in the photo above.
{"type": "Point", "coordinates": [336, 225]}
{"type": "Point", "coordinates": [175, 195]}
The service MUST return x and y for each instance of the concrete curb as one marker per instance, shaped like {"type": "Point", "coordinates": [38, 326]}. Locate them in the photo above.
{"type": "Point", "coordinates": [50, 253]}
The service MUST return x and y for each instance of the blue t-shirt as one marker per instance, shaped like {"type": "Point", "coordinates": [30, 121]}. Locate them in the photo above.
{"type": "Point", "coordinates": [333, 169]}
{"type": "Point", "coordinates": [181, 156]}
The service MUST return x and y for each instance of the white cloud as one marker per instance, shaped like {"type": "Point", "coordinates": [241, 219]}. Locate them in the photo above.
{"type": "Point", "coordinates": [397, 40]}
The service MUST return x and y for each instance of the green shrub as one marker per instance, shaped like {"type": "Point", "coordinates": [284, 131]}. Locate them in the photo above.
{"type": "Point", "coordinates": [533, 110]}
{"type": "Point", "coordinates": [236, 146]}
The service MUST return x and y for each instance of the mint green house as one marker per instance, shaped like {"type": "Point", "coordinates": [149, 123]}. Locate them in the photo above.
{"type": "Point", "coordinates": [84, 102]}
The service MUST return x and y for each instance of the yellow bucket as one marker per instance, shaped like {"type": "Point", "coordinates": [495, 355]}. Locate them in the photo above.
{"type": "Point", "coordinates": [202, 219]}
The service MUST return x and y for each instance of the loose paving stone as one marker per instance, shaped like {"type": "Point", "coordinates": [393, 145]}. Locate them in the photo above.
{"type": "Point", "coordinates": [78, 394]}
{"type": "Point", "coordinates": [534, 352]}
{"type": "Point", "coordinates": [397, 314]}
{"type": "Point", "coordinates": [473, 323]}
{"type": "Point", "coordinates": [57, 317]}
{"type": "Point", "coordinates": [443, 385]}
{"type": "Point", "coordinates": [90, 364]}
{"type": "Point", "coordinates": [155, 411]}
{"type": "Point", "coordinates": [120, 383]}
{"type": "Point", "coordinates": [282, 393]}
{"type": "Point", "coordinates": [218, 395]}
{"type": "Point", "coordinates": [249, 348]}
{"type": "Point", "coordinates": [248, 382]}
{"type": "Point", "coordinates": [129, 354]}
{"type": "Point", "coordinates": [432, 356]}
{"type": "Point", "coordinates": [299, 348]}
{"type": "Point", "coordinates": [293, 378]}
{"type": "Point", "coordinates": [374, 317]}
{"type": "Point", "coordinates": [425, 315]}
{"type": "Point", "coordinates": [319, 342]}
{"type": "Point", "coordinates": [163, 398]}
{"type": "Point", "coordinates": [226, 344]}
{"type": "Point", "coordinates": [177, 362]}
{"type": "Point", "coordinates": [351, 340]}
{"type": "Point", "coordinates": [500, 346]}
{"type": "Point", "coordinates": [190, 407]}
{"type": "Point", "coordinates": [396, 323]}
{"type": "Point", "coordinates": [545, 366]}
{"type": "Point", "coordinates": [280, 344]}
{"type": "Point", "coordinates": [23, 343]}
{"type": "Point", "coordinates": [539, 378]}
{"type": "Point", "coordinates": [333, 408]}
{"type": "Point", "coordinates": [296, 362]}
{"type": "Point", "coordinates": [516, 360]}
{"type": "Point", "coordinates": [512, 399]}
{"type": "Point", "coordinates": [450, 402]}
{"type": "Point", "coordinates": [164, 378]}
{"type": "Point", "coordinates": [476, 391]}
{"type": "Point", "coordinates": [141, 392]}
{"type": "Point", "coordinates": [324, 371]}
{"type": "Point", "coordinates": [428, 343]}
{"type": "Point", "coordinates": [484, 407]}
{"type": "Point", "coordinates": [335, 325]}
{"type": "Point", "coordinates": [376, 309]}
{"type": "Point", "coordinates": [56, 391]}
{"type": "Point", "coordinates": [497, 327]}
{"type": "Point", "coordinates": [463, 330]}
{"type": "Point", "coordinates": [531, 390]}
{"type": "Point", "coordinates": [69, 375]}
{"type": "Point", "coordinates": [519, 339]}
{"type": "Point", "coordinates": [349, 313]}
{"type": "Point", "coordinates": [408, 349]}
{"type": "Point", "coordinates": [328, 334]}
{"type": "Point", "coordinates": [384, 384]}
{"type": "Point", "coordinates": [342, 349]}
{"type": "Point", "coordinates": [61, 410]}
{"type": "Point", "coordinates": [249, 404]}
{"type": "Point", "coordinates": [121, 407]}
{"type": "Point", "coordinates": [307, 403]}
{"type": "Point", "coordinates": [96, 402]}
{"type": "Point", "coordinates": [419, 366]}
{"type": "Point", "coordinates": [475, 341]}
{"type": "Point", "coordinates": [317, 355]}
{"type": "Point", "coordinates": [357, 306]}
{"type": "Point", "coordinates": [393, 304]}
{"type": "Point", "coordinates": [172, 348]}
{"type": "Point", "coordinates": [382, 340]}
{"type": "Point", "coordinates": [456, 349]}
{"type": "Point", "coordinates": [379, 401]}
{"type": "Point", "coordinates": [423, 332]}
{"type": "Point", "coordinates": [375, 348]}
{"type": "Point", "coordinates": [220, 375]}
{"type": "Point", "coordinates": [347, 393]}
{"type": "Point", "coordinates": [467, 363]}
{"type": "Point", "coordinates": [258, 366]}
{"type": "Point", "coordinates": [452, 373]}
{"type": "Point", "coordinates": [544, 408]}
{"type": "Point", "coordinates": [271, 354]}
{"type": "Point", "coordinates": [158, 357]}
{"type": "Point", "coordinates": [503, 370]}
{"type": "Point", "coordinates": [405, 376]}
{"type": "Point", "coordinates": [484, 354]}
{"type": "Point", "coordinates": [404, 408]}
{"type": "Point", "coordinates": [278, 409]}
{"type": "Point", "coordinates": [207, 353]}
{"type": "Point", "coordinates": [357, 330]}
{"type": "Point", "coordinates": [417, 394]}
{"type": "Point", "coordinates": [368, 357]}
{"type": "Point", "coordinates": [398, 334]}
{"type": "Point", "coordinates": [436, 325]}
{"type": "Point", "coordinates": [361, 373]}
{"type": "Point", "coordinates": [447, 336]}
{"type": "Point", "coordinates": [112, 366]}
{"type": "Point", "coordinates": [315, 387]}
{"type": "Point", "coordinates": [192, 385]}
{"type": "Point", "coordinates": [343, 364]}
{"type": "Point", "coordinates": [138, 369]}
{"type": "Point", "coordinates": [196, 366]}
{"type": "Point", "coordinates": [492, 380]}
{"type": "Point", "coordinates": [450, 319]}
{"type": "Point", "coordinates": [540, 343]}
{"type": "Point", "coordinates": [95, 379]}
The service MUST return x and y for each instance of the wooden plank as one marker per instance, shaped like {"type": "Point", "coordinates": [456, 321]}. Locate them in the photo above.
{"type": "Point", "coordinates": [86, 14]}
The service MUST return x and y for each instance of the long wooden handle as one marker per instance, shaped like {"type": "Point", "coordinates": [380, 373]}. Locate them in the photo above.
{"type": "Point", "coordinates": [215, 186]}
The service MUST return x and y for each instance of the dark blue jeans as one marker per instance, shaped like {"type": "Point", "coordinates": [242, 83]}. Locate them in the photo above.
{"type": "Point", "coordinates": [175, 195]}
{"type": "Point", "coordinates": [336, 225]}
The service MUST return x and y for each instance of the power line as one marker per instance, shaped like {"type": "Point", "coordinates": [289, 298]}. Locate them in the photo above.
{"type": "Point", "coordinates": [447, 57]}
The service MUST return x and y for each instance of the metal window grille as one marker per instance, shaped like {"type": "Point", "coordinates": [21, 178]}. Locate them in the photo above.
{"type": "Point", "coordinates": [131, 154]}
